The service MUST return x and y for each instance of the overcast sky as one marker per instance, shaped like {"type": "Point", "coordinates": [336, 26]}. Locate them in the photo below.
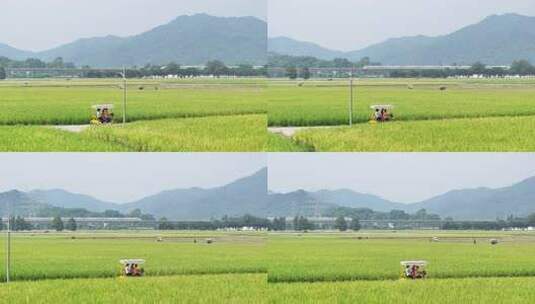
{"type": "Point", "coordinates": [42, 24]}
{"type": "Point", "coordinates": [354, 24]}
{"type": "Point", "coordinates": [404, 178]}
{"type": "Point", "coordinates": [120, 177]}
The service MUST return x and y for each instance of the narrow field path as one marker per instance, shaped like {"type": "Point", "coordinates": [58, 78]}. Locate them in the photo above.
{"type": "Point", "coordinates": [72, 128]}
{"type": "Point", "coordinates": [290, 131]}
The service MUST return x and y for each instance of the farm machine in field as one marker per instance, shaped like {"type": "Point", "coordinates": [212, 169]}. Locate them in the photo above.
{"type": "Point", "coordinates": [382, 113]}
{"type": "Point", "coordinates": [413, 270]}
{"type": "Point", "coordinates": [132, 267]}
{"type": "Point", "coordinates": [103, 114]}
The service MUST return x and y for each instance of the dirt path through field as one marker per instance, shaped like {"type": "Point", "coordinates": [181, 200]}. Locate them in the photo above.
{"type": "Point", "coordinates": [290, 131]}
{"type": "Point", "coordinates": [72, 128]}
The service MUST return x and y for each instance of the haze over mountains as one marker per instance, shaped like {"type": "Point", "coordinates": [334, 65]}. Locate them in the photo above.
{"type": "Point", "coordinates": [248, 196]}
{"type": "Point", "coordinates": [187, 40]}
{"type": "Point", "coordinates": [464, 204]}
{"type": "Point", "coordinates": [497, 40]}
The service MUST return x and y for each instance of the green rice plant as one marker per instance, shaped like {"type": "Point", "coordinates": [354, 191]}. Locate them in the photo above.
{"type": "Point", "coordinates": [61, 102]}
{"type": "Point", "coordinates": [498, 134]}
{"type": "Point", "coordinates": [278, 143]}
{"type": "Point", "coordinates": [327, 103]}
{"type": "Point", "coordinates": [482, 290]}
{"type": "Point", "coordinates": [244, 133]}
{"type": "Point", "coordinates": [207, 289]}
{"type": "Point", "coordinates": [46, 139]}
{"type": "Point", "coordinates": [356, 256]}
{"type": "Point", "coordinates": [97, 255]}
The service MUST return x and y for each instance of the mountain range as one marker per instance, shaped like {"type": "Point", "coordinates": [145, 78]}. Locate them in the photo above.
{"type": "Point", "coordinates": [249, 195]}
{"type": "Point", "coordinates": [187, 40]}
{"type": "Point", "coordinates": [246, 195]}
{"type": "Point", "coordinates": [463, 204]}
{"type": "Point", "coordinates": [497, 40]}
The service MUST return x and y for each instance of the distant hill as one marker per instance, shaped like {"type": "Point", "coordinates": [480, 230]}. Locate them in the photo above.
{"type": "Point", "coordinates": [18, 203]}
{"type": "Point", "coordinates": [13, 53]}
{"type": "Point", "coordinates": [295, 203]}
{"type": "Point", "coordinates": [244, 196]}
{"type": "Point", "coordinates": [497, 40]}
{"type": "Point", "coordinates": [64, 199]}
{"type": "Point", "coordinates": [464, 204]}
{"type": "Point", "coordinates": [248, 196]}
{"type": "Point", "coordinates": [483, 203]}
{"type": "Point", "coordinates": [352, 199]}
{"type": "Point", "coordinates": [292, 47]}
{"type": "Point", "coordinates": [187, 40]}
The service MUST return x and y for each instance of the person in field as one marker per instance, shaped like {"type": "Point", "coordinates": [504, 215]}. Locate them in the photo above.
{"type": "Point", "coordinates": [385, 115]}
{"type": "Point", "coordinates": [408, 271]}
{"type": "Point", "coordinates": [105, 116]}
{"type": "Point", "coordinates": [127, 270]}
{"type": "Point", "coordinates": [378, 115]}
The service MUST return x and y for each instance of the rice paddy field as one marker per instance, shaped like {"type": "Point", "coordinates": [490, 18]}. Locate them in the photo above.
{"type": "Point", "coordinates": [163, 115]}
{"type": "Point", "coordinates": [97, 255]}
{"type": "Point", "coordinates": [239, 288]}
{"type": "Point", "coordinates": [243, 267]}
{"type": "Point", "coordinates": [469, 115]}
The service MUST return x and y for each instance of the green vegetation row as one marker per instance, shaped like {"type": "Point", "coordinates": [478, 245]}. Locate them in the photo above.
{"type": "Point", "coordinates": [243, 288]}
{"type": "Point", "coordinates": [253, 288]}
{"type": "Point", "coordinates": [498, 134]}
{"type": "Point", "coordinates": [223, 133]}
{"type": "Point", "coordinates": [352, 256]}
{"type": "Point", "coordinates": [326, 103]}
{"type": "Point", "coordinates": [482, 290]}
{"type": "Point", "coordinates": [74, 255]}
{"type": "Point", "coordinates": [49, 105]}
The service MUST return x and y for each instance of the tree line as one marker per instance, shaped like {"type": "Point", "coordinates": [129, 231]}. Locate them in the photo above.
{"type": "Point", "coordinates": [519, 67]}
{"type": "Point", "coordinates": [301, 62]}
{"type": "Point", "coordinates": [369, 214]}
{"type": "Point", "coordinates": [212, 68]}
{"type": "Point", "coordinates": [299, 223]}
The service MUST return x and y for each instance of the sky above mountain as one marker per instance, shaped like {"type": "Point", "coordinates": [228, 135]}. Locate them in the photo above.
{"type": "Point", "coordinates": [349, 25]}
{"type": "Point", "coordinates": [398, 177]}
{"type": "Point", "coordinates": [121, 177]}
{"type": "Point", "coordinates": [44, 24]}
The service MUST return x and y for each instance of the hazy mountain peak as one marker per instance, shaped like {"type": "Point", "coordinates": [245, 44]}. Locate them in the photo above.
{"type": "Point", "coordinates": [187, 40]}
{"type": "Point", "coordinates": [496, 40]}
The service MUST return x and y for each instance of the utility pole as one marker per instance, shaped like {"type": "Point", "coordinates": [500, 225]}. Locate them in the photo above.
{"type": "Point", "coordinates": [351, 100]}
{"type": "Point", "coordinates": [8, 248]}
{"type": "Point", "coordinates": [124, 95]}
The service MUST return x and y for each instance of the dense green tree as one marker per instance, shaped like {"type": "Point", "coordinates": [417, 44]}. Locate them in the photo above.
{"type": "Point", "coordinates": [172, 69]}
{"type": "Point", "coordinates": [478, 68]}
{"type": "Point", "coordinates": [340, 223]}
{"type": "Point", "coordinates": [306, 73]}
{"type": "Point", "coordinates": [20, 224]}
{"type": "Point", "coordinates": [112, 214]}
{"type": "Point", "coordinates": [216, 68]}
{"type": "Point", "coordinates": [57, 224]}
{"type": "Point", "coordinates": [164, 224]}
{"type": "Point", "coordinates": [279, 224]}
{"type": "Point", "coordinates": [531, 219]}
{"type": "Point", "coordinates": [57, 63]}
{"type": "Point", "coordinates": [355, 224]}
{"type": "Point", "coordinates": [71, 225]}
{"type": "Point", "coordinates": [135, 213]}
{"type": "Point", "coordinates": [291, 72]}
{"type": "Point", "coordinates": [522, 67]}
{"type": "Point", "coordinates": [2, 73]}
